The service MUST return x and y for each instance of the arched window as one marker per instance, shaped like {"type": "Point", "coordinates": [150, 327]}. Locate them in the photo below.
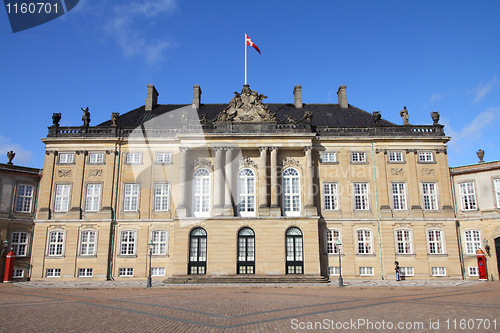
{"type": "Point", "coordinates": [294, 251]}
{"type": "Point", "coordinates": [331, 238]}
{"type": "Point", "coordinates": [472, 241]}
{"type": "Point", "coordinates": [403, 241]}
{"type": "Point", "coordinates": [201, 192]}
{"type": "Point", "coordinates": [160, 242]}
{"type": "Point", "coordinates": [435, 240]}
{"type": "Point", "coordinates": [197, 251]}
{"type": "Point", "coordinates": [56, 242]}
{"type": "Point", "coordinates": [246, 192]}
{"type": "Point", "coordinates": [88, 242]}
{"type": "Point", "coordinates": [246, 251]}
{"type": "Point", "coordinates": [291, 192]}
{"type": "Point", "coordinates": [364, 241]}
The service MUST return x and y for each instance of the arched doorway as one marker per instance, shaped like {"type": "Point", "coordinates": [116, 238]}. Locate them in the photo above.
{"type": "Point", "coordinates": [246, 251]}
{"type": "Point", "coordinates": [294, 251]}
{"type": "Point", "coordinates": [197, 252]}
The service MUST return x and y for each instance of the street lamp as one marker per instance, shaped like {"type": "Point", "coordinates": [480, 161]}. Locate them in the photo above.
{"type": "Point", "coordinates": [341, 281]}
{"type": "Point", "coordinates": [486, 246]}
{"type": "Point", "coordinates": [150, 244]}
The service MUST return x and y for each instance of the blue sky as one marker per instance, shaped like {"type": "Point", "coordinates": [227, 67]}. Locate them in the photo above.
{"type": "Point", "coordinates": [425, 55]}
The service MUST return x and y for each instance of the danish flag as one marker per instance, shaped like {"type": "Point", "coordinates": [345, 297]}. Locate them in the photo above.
{"type": "Point", "coordinates": [250, 43]}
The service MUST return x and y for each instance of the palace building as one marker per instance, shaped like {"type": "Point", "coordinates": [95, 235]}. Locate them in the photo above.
{"type": "Point", "coordinates": [245, 191]}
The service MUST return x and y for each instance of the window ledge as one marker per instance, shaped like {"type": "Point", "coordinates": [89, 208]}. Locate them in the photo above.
{"type": "Point", "coordinates": [405, 254]}
{"type": "Point", "coordinates": [127, 256]}
{"type": "Point", "coordinates": [437, 254]}
{"type": "Point", "coordinates": [329, 163]}
{"type": "Point", "coordinates": [366, 254]}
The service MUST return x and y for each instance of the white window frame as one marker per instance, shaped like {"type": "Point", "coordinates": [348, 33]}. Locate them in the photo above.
{"type": "Point", "coordinates": [358, 157]}
{"type": "Point", "coordinates": [24, 198]}
{"type": "Point", "coordinates": [96, 158]}
{"type": "Point", "coordinates": [395, 157]}
{"type": "Point", "coordinates": [131, 195]}
{"type": "Point", "coordinates": [473, 271]}
{"type": "Point", "coordinates": [53, 272]}
{"type": "Point", "coordinates": [425, 157]}
{"type": "Point", "coordinates": [291, 192]}
{"type": "Point", "coordinates": [364, 241]}
{"type": "Point", "coordinates": [125, 272]}
{"type": "Point", "coordinates": [366, 271]}
{"type": "Point", "coordinates": [88, 242]}
{"type": "Point", "coordinates": [162, 197]}
{"type": "Point", "coordinates": [56, 244]}
{"type": "Point", "coordinates": [435, 241]}
{"type": "Point", "coordinates": [19, 243]}
{"type": "Point", "coordinates": [496, 187]}
{"type": "Point", "coordinates": [133, 158]}
{"type": "Point", "coordinates": [361, 193]}
{"type": "Point", "coordinates": [66, 158]}
{"type": "Point", "coordinates": [160, 242]}
{"type": "Point", "coordinates": [62, 198]}
{"type": "Point", "coordinates": [331, 237]}
{"type": "Point", "coordinates": [430, 196]}
{"type": "Point", "coordinates": [438, 271]}
{"type": "Point", "coordinates": [85, 272]}
{"type": "Point", "coordinates": [128, 242]}
{"type": "Point", "coordinates": [247, 199]}
{"type": "Point", "coordinates": [399, 198]}
{"type": "Point", "coordinates": [403, 239]}
{"type": "Point", "coordinates": [158, 271]}
{"type": "Point", "coordinates": [202, 180]}
{"type": "Point", "coordinates": [329, 157]}
{"type": "Point", "coordinates": [333, 270]}
{"type": "Point", "coordinates": [18, 273]}
{"type": "Point", "coordinates": [164, 158]}
{"type": "Point", "coordinates": [406, 271]}
{"type": "Point", "coordinates": [472, 241]}
{"type": "Point", "coordinates": [467, 196]}
{"type": "Point", "coordinates": [331, 196]}
{"type": "Point", "coordinates": [93, 197]}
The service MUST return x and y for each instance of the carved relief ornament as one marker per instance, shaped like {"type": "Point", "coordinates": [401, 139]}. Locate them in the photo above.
{"type": "Point", "coordinates": [203, 162]}
{"type": "Point", "coordinates": [64, 173]}
{"type": "Point", "coordinates": [245, 161]}
{"type": "Point", "coordinates": [288, 161]}
{"type": "Point", "coordinates": [246, 106]}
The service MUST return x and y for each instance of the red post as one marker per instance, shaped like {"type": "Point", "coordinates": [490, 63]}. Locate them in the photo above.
{"type": "Point", "coordinates": [9, 267]}
{"type": "Point", "coordinates": [481, 264]}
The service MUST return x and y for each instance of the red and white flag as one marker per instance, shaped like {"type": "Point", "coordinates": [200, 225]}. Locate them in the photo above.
{"type": "Point", "coordinates": [250, 43]}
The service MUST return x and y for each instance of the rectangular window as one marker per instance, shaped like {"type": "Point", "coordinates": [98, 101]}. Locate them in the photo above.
{"type": "Point", "coordinates": [472, 241]}
{"type": "Point", "coordinates": [332, 236]}
{"type": "Point", "coordinates": [497, 191]}
{"type": "Point", "coordinates": [399, 196]}
{"type": "Point", "coordinates": [358, 157]}
{"type": "Point", "coordinates": [93, 199]}
{"type": "Point", "coordinates": [429, 191]}
{"type": "Point", "coordinates": [395, 156]}
{"type": "Point", "coordinates": [159, 238]}
{"type": "Point", "coordinates": [63, 192]}
{"type": "Point", "coordinates": [24, 198]}
{"type": "Point", "coordinates": [467, 196]}
{"type": "Point", "coordinates": [425, 156]}
{"type": "Point", "coordinates": [53, 272]}
{"type": "Point", "coordinates": [406, 271]}
{"type": "Point", "coordinates": [403, 241]}
{"type": "Point", "coordinates": [162, 197]}
{"type": "Point", "coordinates": [88, 240]}
{"type": "Point", "coordinates": [438, 271]}
{"type": "Point", "coordinates": [66, 158]}
{"type": "Point", "coordinates": [366, 271]}
{"type": "Point", "coordinates": [19, 243]}
{"type": "Point", "coordinates": [56, 243]}
{"type": "Point", "coordinates": [126, 272]}
{"type": "Point", "coordinates": [127, 245]}
{"type": "Point", "coordinates": [133, 158]}
{"type": "Point", "coordinates": [131, 197]}
{"type": "Point", "coordinates": [85, 272]}
{"type": "Point", "coordinates": [328, 157]}
{"type": "Point", "coordinates": [435, 238]}
{"type": "Point", "coordinates": [18, 273]}
{"type": "Point", "coordinates": [364, 239]}
{"type": "Point", "coordinates": [333, 270]}
{"type": "Point", "coordinates": [473, 271]}
{"type": "Point", "coordinates": [96, 158]}
{"type": "Point", "coordinates": [330, 196]}
{"type": "Point", "coordinates": [361, 196]}
{"type": "Point", "coordinates": [158, 271]}
{"type": "Point", "coordinates": [164, 158]}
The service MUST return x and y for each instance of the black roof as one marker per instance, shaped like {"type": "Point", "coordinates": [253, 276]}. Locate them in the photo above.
{"type": "Point", "coordinates": [329, 115]}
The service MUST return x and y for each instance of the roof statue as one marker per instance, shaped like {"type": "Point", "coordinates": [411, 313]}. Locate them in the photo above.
{"type": "Point", "coordinates": [246, 107]}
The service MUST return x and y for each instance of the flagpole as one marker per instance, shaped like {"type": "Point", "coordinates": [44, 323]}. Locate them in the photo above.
{"type": "Point", "coordinates": [245, 59]}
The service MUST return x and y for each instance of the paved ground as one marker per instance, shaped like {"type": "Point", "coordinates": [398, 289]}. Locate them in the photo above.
{"type": "Point", "coordinates": [364, 306]}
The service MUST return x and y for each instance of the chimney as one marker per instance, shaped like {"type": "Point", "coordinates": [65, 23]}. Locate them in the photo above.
{"type": "Point", "coordinates": [196, 96]}
{"type": "Point", "coordinates": [297, 96]}
{"type": "Point", "coordinates": [152, 98]}
{"type": "Point", "coordinates": [341, 93]}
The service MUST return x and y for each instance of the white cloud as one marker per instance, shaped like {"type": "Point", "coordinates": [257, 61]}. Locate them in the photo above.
{"type": "Point", "coordinates": [23, 156]}
{"type": "Point", "coordinates": [483, 89]}
{"type": "Point", "coordinates": [471, 133]}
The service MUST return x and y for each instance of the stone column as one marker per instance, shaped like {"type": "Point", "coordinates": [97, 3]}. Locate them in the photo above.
{"type": "Point", "coordinates": [275, 208]}
{"type": "Point", "coordinates": [228, 204]}
{"type": "Point", "coordinates": [218, 181]}
{"type": "Point", "coordinates": [264, 206]}
{"type": "Point", "coordinates": [181, 207]}
{"type": "Point", "coordinates": [310, 209]}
